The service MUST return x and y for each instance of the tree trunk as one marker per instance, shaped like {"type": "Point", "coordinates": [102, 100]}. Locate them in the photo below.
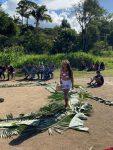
{"type": "Point", "coordinates": [22, 20]}
{"type": "Point", "coordinates": [27, 19]}
{"type": "Point", "coordinates": [36, 24]}
{"type": "Point", "coordinates": [84, 40]}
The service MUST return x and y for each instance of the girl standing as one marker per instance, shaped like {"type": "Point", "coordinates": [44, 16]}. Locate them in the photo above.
{"type": "Point", "coordinates": [66, 79]}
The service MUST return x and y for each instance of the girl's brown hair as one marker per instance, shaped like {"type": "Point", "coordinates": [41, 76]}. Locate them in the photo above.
{"type": "Point", "coordinates": [68, 67]}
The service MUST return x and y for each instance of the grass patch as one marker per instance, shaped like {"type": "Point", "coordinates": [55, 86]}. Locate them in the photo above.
{"type": "Point", "coordinates": [85, 74]}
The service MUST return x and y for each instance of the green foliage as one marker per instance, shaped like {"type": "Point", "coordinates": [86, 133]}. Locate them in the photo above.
{"type": "Point", "coordinates": [11, 55]}
{"type": "Point", "coordinates": [74, 58]}
{"type": "Point", "coordinates": [65, 24]}
{"type": "Point", "coordinates": [39, 44]}
{"type": "Point", "coordinates": [95, 36]}
{"type": "Point", "coordinates": [4, 41]}
{"type": "Point", "coordinates": [51, 109]}
{"type": "Point", "coordinates": [56, 97]}
{"type": "Point", "coordinates": [100, 47]}
{"type": "Point", "coordinates": [86, 12]}
{"type": "Point", "coordinates": [65, 42]}
{"type": "Point", "coordinates": [39, 14]}
{"type": "Point", "coordinates": [92, 34]}
{"type": "Point", "coordinates": [7, 26]}
{"type": "Point", "coordinates": [24, 8]}
{"type": "Point", "coordinates": [110, 39]}
{"type": "Point", "coordinates": [15, 56]}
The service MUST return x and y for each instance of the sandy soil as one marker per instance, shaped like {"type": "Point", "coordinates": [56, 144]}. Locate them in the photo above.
{"type": "Point", "coordinates": [27, 99]}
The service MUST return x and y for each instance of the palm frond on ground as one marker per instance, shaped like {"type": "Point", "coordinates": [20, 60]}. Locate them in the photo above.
{"type": "Point", "coordinates": [52, 117]}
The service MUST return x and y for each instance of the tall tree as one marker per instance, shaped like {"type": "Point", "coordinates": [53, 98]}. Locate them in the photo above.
{"type": "Point", "coordinates": [110, 39]}
{"type": "Point", "coordinates": [31, 6]}
{"type": "Point", "coordinates": [7, 25]}
{"type": "Point", "coordinates": [16, 19]}
{"type": "Point", "coordinates": [25, 8]}
{"type": "Point", "coordinates": [86, 12]}
{"type": "Point", "coordinates": [65, 42]}
{"type": "Point", "coordinates": [39, 14]}
{"type": "Point", "coordinates": [106, 26]}
{"type": "Point", "coordinates": [22, 8]}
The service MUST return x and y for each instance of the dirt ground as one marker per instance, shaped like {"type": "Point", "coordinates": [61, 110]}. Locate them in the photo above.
{"type": "Point", "coordinates": [30, 99]}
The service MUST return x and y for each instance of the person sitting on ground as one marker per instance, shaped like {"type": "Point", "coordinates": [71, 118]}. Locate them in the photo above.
{"type": "Point", "coordinates": [102, 66]}
{"type": "Point", "coordinates": [11, 72]}
{"type": "Point", "coordinates": [4, 71]}
{"type": "Point", "coordinates": [33, 72]}
{"type": "Point", "coordinates": [97, 66]}
{"type": "Point", "coordinates": [97, 80]}
{"type": "Point", "coordinates": [26, 72]}
{"type": "Point", "coordinates": [51, 70]}
{"type": "Point", "coordinates": [1, 70]}
{"type": "Point", "coordinates": [89, 66]}
{"type": "Point", "coordinates": [38, 71]}
{"type": "Point", "coordinates": [83, 65]}
{"type": "Point", "coordinates": [46, 73]}
{"type": "Point", "coordinates": [41, 72]}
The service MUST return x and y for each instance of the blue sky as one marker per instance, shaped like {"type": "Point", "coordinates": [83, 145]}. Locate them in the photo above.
{"type": "Point", "coordinates": [1, 1]}
{"type": "Point", "coordinates": [107, 4]}
{"type": "Point", "coordinates": [58, 10]}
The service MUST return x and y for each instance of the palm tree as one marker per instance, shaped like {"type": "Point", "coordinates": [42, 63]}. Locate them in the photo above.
{"type": "Point", "coordinates": [22, 8]}
{"type": "Point", "coordinates": [16, 19]}
{"type": "Point", "coordinates": [27, 15]}
{"type": "Point", "coordinates": [25, 8]}
{"type": "Point", "coordinates": [31, 6]}
{"type": "Point", "coordinates": [39, 14]}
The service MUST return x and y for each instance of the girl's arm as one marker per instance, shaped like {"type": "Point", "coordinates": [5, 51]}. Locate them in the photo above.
{"type": "Point", "coordinates": [72, 80]}
{"type": "Point", "coordinates": [60, 77]}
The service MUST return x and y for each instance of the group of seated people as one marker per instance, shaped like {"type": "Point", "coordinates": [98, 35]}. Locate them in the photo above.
{"type": "Point", "coordinates": [7, 72]}
{"type": "Point", "coordinates": [43, 72]}
{"type": "Point", "coordinates": [93, 66]}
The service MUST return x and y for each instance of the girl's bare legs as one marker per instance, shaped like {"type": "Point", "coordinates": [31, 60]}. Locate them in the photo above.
{"type": "Point", "coordinates": [66, 97]}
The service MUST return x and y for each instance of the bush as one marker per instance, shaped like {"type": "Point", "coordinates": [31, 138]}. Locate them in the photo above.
{"type": "Point", "coordinates": [19, 59]}
{"type": "Point", "coordinates": [100, 47]}
{"type": "Point", "coordinates": [74, 58]}
{"type": "Point", "coordinates": [11, 55]}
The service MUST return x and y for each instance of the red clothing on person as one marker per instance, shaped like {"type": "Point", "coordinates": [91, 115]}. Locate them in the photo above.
{"type": "Point", "coordinates": [110, 148]}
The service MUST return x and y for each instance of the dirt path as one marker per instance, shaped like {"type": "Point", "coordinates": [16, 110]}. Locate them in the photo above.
{"type": "Point", "coordinates": [27, 99]}
{"type": "Point", "coordinates": [22, 99]}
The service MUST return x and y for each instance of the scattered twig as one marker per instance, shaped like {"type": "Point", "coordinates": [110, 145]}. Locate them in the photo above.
{"type": "Point", "coordinates": [91, 148]}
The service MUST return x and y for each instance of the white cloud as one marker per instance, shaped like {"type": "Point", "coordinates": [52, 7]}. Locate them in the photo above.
{"type": "Point", "coordinates": [10, 6]}
{"type": "Point", "coordinates": [59, 4]}
{"type": "Point", "coordinates": [57, 19]}
{"type": "Point", "coordinates": [58, 9]}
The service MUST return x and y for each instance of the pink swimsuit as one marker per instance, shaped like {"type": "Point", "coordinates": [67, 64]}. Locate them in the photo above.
{"type": "Point", "coordinates": [65, 74]}
{"type": "Point", "coordinates": [66, 84]}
